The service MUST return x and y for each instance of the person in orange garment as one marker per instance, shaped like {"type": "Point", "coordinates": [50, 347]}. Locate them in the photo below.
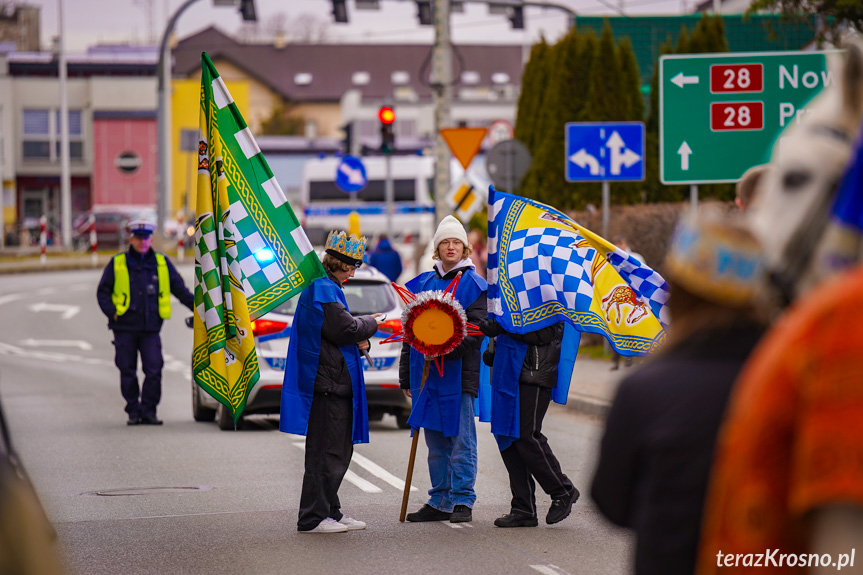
{"type": "Point", "coordinates": [786, 491]}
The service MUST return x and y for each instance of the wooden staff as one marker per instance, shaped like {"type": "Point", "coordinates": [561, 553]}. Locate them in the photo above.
{"type": "Point", "coordinates": [413, 455]}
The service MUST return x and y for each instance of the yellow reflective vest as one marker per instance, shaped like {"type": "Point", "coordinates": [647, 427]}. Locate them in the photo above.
{"type": "Point", "coordinates": [122, 293]}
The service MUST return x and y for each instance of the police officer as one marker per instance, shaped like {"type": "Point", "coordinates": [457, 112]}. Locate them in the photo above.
{"type": "Point", "coordinates": [135, 294]}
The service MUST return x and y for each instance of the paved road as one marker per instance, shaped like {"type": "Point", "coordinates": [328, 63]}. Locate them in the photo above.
{"type": "Point", "coordinates": [188, 498]}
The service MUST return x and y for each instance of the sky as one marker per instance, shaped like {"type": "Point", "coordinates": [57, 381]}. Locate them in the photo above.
{"type": "Point", "coordinates": [91, 22]}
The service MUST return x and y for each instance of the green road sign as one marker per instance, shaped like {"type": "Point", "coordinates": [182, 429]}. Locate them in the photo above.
{"type": "Point", "coordinates": [719, 114]}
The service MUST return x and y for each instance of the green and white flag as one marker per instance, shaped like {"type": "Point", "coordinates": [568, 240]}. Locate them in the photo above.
{"type": "Point", "coordinates": [250, 252]}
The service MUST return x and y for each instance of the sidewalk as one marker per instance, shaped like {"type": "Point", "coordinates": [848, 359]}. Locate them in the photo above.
{"type": "Point", "coordinates": [593, 385]}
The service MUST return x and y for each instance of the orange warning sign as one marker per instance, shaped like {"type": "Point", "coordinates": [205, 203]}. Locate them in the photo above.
{"type": "Point", "coordinates": [464, 143]}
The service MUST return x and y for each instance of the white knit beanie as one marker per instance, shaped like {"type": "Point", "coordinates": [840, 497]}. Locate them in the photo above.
{"type": "Point", "coordinates": [449, 227]}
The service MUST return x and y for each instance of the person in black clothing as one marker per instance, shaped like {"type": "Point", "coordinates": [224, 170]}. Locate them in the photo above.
{"type": "Point", "coordinates": [323, 396]}
{"type": "Point", "coordinates": [529, 457]}
{"type": "Point", "coordinates": [655, 457]}
{"type": "Point", "coordinates": [135, 295]}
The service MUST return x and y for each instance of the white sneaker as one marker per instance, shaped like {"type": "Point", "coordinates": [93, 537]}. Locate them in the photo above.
{"type": "Point", "coordinates": [328, 525]}
{"type": "Point", "coordinates": [352, 524]}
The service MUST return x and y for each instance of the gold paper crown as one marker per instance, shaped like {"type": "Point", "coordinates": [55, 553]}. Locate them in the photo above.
{"type": "Point", "coordinates": [350, 247]}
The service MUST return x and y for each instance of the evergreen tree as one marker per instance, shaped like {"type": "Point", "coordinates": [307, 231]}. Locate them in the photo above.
{"type": "Point", "coordinates": [606, 101]}
{"type": "Point", "coordinates": [533, 92]}
{"type": "Point", "coordinates": [631, 79]}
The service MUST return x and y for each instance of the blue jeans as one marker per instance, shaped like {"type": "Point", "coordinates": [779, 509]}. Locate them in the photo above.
{"type": "Point", "coordinates": [452, 462]}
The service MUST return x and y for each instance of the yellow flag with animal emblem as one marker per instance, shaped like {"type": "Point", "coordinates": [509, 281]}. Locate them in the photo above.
{"type": "Point", "coordinates": [543, 268]}
{"type": "Point", "coordinates": [251, 254]}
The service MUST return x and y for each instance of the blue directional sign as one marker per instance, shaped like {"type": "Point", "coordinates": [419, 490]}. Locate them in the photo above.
{"type": "Point", "coordinates": [604, 151]}
{"type": "Point", "coordinates": [351, 174]}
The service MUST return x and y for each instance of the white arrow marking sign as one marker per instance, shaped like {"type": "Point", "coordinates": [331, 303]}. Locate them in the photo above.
{"type": "Point", "coordinates": [682, 80]}
{"type": "Point", "coordinates": [626, 158]}
{"type": "Point", "coordinates": [355, 177]}
{"type": "Point", "coordinates": [79, 343]}
{"type": "Point", "coordinates": [581, 159]}
{"type": "Point", "coordinates": [684, 152]}
{"type": "Point", "coordinates": [68, 311]}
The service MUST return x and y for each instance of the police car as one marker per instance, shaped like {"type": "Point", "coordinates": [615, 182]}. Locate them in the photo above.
{"type": "Point", "coordinates": [368, 292]}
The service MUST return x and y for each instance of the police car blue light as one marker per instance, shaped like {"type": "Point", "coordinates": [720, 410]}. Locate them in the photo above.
{"type": "Point", "coordinates": [264, 255]}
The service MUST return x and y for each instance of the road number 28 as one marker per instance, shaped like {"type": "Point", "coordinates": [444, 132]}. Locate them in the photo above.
{"type": "Point", "coordinates": [729, 78]}
{"type": "Point", "coordinates": [726, 116]}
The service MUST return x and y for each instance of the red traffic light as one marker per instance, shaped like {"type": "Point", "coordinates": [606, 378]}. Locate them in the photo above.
{"type": "Point", "coordinates": [386, 115]}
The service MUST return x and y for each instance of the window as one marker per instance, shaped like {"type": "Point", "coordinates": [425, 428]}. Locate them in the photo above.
{"type": "Point", "coordinates": [500, 78]}
{"type": "Point", "coordinates": [360, 78]}
{"type": "Point", "coordinates": [41, 140]}
{"type": "Point", "coordinates": [400, 78]}
{"type": "Point", "coordinates": [470, 77]}
{"type": "Point", "coordinates": [302, 79]}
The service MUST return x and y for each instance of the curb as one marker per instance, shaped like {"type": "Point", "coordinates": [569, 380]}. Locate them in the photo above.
{"type": "Point", "coordinates": [588, 405]}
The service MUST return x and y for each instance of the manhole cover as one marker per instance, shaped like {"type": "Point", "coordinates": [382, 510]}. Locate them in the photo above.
{"type": "Point", "coordinates": [149, 490]}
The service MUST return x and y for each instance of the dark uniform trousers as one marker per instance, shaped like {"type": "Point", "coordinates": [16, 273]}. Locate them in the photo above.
{"type": "Point", "coordinates": [127, 345]}
{"type": "Point", "coordinates": [328, 454]}
{"type": "Point", "coordinates": [530, 456]}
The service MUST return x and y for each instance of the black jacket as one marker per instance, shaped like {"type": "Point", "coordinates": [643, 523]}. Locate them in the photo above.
{"type": "Point", "coordinates": [467, 350]}
{"type": "Point", "coordinates": [339, 328]}
{"type": "Point", "coordinates": [655, 457]}
{"type": "Point", "coordinates": [543, 352]}
{"type": "Point", "coordinates": [143, 312]}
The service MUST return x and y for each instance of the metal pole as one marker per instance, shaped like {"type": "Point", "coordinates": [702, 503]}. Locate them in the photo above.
{"type": "Point", "coordinates": [65, 183]}
{"type": "Point", "coordinates": [442, 69]}
{"type": "Point", "coordinates": [388, 190]}
{"type": "Point", "coordinates": [606, 201]}
{"type": "Point", "coordinates": [693, 198]}
{"type": "Point", "coordinates": [163, 195]}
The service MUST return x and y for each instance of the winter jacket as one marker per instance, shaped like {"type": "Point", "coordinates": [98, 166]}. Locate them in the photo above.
{"type": "Point", "coordinates": [468, 350]}
{"type": "Point", "coordinates": [143, 312]}
{"type": "Point", "coordinates": [543, 352]}
{"type": "Point", "coordinates": [339, 328]}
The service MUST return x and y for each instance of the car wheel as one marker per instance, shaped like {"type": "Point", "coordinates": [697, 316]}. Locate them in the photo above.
{"type": "Point", "coordinates": [199, 412]}
{"type": "Point", "coordinates": [225, 420]}
{"type": "Point", "coordinates": [376, 414]}
{"type": "Point", "coordinates": [402, 419]}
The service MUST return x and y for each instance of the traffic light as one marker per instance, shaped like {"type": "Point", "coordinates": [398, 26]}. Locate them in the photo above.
{"type": "Point", "coordinates": [424, 12]}
{"type": "Point", "coordinates": [340, 11]}
{"type": "Point", "coordinates": [516, 18]}
{"type": "Point", "coordinates": [348, 141]}
{"type": "Point", "coordinates": [388, 141]}
{"type": "Point", "coordinates": [247, 10]}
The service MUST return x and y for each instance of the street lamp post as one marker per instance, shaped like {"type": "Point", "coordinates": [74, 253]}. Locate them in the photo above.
{"type": "Point", "coordinates": [163, 195]}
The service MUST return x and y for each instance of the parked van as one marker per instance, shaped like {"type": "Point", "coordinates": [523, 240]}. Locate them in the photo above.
{"type": "Point", "coordinates": [326, 207]}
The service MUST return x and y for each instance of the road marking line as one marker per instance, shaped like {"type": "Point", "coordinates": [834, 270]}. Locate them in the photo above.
{"type": "Point", "coordinates": [544, 569]}
{"type": "Point", "coordinates": [10, 297]}
{"type": "Point", "coordinates": [366, 486]}
{"type": "Point", "coordinates": [456, 526]}
{"type": "Point", "coordinates": [380, 472]}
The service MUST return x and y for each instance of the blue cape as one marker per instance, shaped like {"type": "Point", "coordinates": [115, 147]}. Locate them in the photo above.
{"type": "Point", "coordinates": [301, 366]}
{"type": "Point", "coordinates": [508, 359]}
{"type": "Point", "coordinates": [439, 404]}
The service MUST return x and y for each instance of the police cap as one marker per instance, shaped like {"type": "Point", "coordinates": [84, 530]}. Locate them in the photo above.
{"type": "Point", "coordinates": [141, 228]}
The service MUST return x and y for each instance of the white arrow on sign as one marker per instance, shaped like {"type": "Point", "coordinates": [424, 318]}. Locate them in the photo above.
{"type": "Point", "coordinates": [355, 177]}
{"type": "Point", "coordinates": [68, 311]}
{"type": "Point", "coordinates": [684, 150]}
{"type": "Point", "coordinates": [682, 80]}
{"type": "Point", "coordinates": [626, 158]}
{"type": "Point", "coordinates": [79, 343]}
{"type": "Point", "coordinates": [581, 159]}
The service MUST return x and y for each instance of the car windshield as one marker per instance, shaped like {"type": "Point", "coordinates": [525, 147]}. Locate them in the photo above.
{"type": "Point", "coordinates": [362, 297]}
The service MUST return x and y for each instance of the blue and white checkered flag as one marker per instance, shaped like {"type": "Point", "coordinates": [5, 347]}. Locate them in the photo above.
{"type": "Point", "coordinates": [544, 268]}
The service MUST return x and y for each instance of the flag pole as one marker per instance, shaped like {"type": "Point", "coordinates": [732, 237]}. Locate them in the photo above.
{"type": "Point", "coordinates": [413, 455]}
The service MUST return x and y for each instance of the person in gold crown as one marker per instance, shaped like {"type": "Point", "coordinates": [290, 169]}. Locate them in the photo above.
{"type": "Point", "coordinates": [324, 394]}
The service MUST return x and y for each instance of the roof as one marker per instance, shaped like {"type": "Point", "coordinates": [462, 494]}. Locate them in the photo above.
{"type": "Point", "coordinates": [332, 66]}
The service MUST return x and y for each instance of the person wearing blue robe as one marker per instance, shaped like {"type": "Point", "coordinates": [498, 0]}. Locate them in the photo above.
{"type": "Point", "coordinates": [324, 395]}
{"type": "Point", "coordinates": [444, 407]}
{"type": "Point", "coordinates": [528, 371]}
